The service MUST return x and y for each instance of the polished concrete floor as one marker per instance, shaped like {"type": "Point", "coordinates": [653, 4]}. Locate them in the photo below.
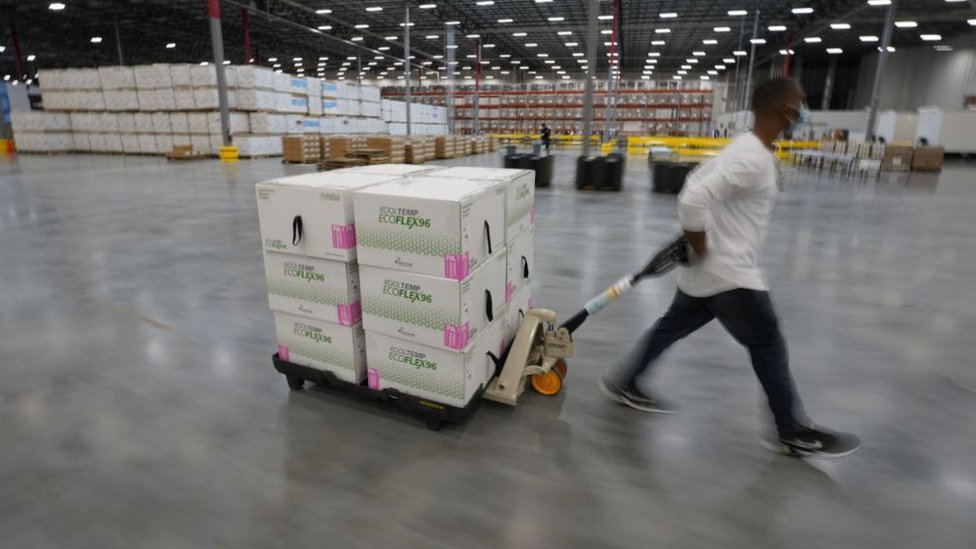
{"type": "Point", "coordinates": [139, 407]}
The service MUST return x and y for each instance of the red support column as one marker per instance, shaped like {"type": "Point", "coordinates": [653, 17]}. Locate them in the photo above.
{"type": "Point", "coordinates": [20, 64]}
{"type": "Point", "coordinates": [246, 25]}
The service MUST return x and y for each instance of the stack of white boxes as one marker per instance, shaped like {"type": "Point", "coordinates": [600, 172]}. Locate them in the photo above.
{"type": "Point", "coordinates": [432, 267]}
{"type": "Point", "coordinates": [519, 234]}
{"type": "Point", "coordinates": [309, 240]}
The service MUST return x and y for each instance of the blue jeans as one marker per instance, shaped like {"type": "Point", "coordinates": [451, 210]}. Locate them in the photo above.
{"type": "Point", "coordinates": [748, 315]}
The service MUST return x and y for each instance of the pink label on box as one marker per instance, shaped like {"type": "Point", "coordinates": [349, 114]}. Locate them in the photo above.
{"type": "Point", "coordinates": [373, 378]}
{"type": "Point", "coordinates": [344, 236]}
{"type": "Point", "coordinates": [456, 266]}
{"type": "Point", "coordinates": [531, 215]}
{"type": "Point", "coordinates": [508, 292]}
{"type": "Point", "coordinates": [283, 353]}
{"type": "Point", "coordinates": [349, 315]}
{"type": "Point", "coordinates": [456, 337]}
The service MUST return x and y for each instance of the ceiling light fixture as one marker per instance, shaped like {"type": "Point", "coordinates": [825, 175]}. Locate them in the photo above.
{"type": "Point", "coordinates": [709, 41]}
{"type": "Point", "coordinates": [812, 40]}
{"type": "Point", "coordinates": [96, 39]}
{"type": "Point", "coordinates": [668, 15]}
{"type": "Point", "coordinates": [776, 28]}
{"type": "Point", "coordinates": [737, 13]}
{"type": "Point", "coordinates": [802, 11]}
{"type": "Point", "coordinates": [840, 26]}
{"type": "Point", "coordinates": [931, 37]}
{"type": "Point", "coordinates": [722, 29]}
{"type": "Point", "coordinates": [835, 51]}
{"type": "Point", "coordinates": [906, 24]}
{"type": "Point", "coordinates": [868, 38]}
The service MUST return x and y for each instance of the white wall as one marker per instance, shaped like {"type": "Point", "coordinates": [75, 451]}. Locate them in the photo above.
{"type": "Point", "coordinates": [922, 77]}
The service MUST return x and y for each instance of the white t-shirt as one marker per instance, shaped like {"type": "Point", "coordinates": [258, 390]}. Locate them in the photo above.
{"type": "Point", "coordinates": [730, 197]}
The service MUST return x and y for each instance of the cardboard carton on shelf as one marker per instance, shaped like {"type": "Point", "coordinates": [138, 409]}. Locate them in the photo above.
{"type": "Point", "coordinates": [323, 345]}
{"type": "Point", "coordinates": [928, 159]}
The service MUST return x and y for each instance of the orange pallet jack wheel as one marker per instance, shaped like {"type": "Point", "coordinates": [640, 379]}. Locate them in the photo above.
{"type": "Point", "coordinates": [550, 382]}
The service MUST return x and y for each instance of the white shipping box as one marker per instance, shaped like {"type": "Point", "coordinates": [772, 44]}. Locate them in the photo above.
{"type": "Point", "coordinates": [323, 345]}
{"type": "Point", "coordinates": [515, 313]}
{"type": "Point", "coordinates": [162, 122]}
{"type": "Point", "coordinates": [179, 122]}
{"type": "Point", "coordinates": [258, 145]}
{"type": "Point", "coordinates": [204, 76]}
{"type": "Point", "coordinates": [238, 122]}
{"type": "Point", "coordinates": [282, 82]}
{"type": "Point", "coordinates": [322, 203]}
{"type": "Point", "coordinates": [431, 310]}
{"type": "Point", "coordinates": [199, 122]}
{"type": "Point", "coordinates": [97, 141]}
{"type": "Point", "coordinates": [130, 143]}
{"type": "Point", "coordinates": [201, 144]}
{"type": "Point", "coordinates": [184, 99]}
{"type": "Point", "coordinates": [253, 76]}
{"type": "Point", "coordinates": [166, 99]}
{"type": "Point", "coordinates": [126, 122]}
{"type": "Point", "coordinates": [330, 89]}
{"type": "Point", "coordinates": [181, 76]}
{"type": "Point", "coordinates": [519, 194]}
{"type": "Point", "coordinates": [147, 100]}
{"type": "Point", "coordinates": [115, 78]}
{"type": "Point", "coordinates": [443, 376]}
{"type": "Point", "coordinates": [521, 263]}
{"type": "Point", "coordinates": [256, 100]}
{"type": "Point", "coordinates": [121, 100]}
{"type": "Point", "coordinates": [164, 143]}
{"type": "Point", "coordinates": [263, 122]}
{"type": "Point", "coordinates": [317, 288]}
{"type": "Point", "coordinates": [144, 122]}
{"type": "Point", "coordinates": [113, 142]}
{"type": "Point", "coordinates": [182, 139]}
{"type": "Point", "coordinates": [429, 225]}
{"type": "Point", "coordinates": [81, 142]}
{"type": "Point", "coordinates": [147, 143]}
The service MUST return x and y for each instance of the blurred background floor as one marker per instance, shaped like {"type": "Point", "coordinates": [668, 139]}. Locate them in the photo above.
{"type": "Point", "coordinates": [140, 406]}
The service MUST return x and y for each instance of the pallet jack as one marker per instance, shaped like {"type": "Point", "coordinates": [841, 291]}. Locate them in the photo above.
{"type": "Point", "coordinates": [540, 349]}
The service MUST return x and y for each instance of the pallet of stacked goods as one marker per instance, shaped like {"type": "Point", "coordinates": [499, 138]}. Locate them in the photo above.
{"type": "Point", "coordinates": [256, 96]}
{"type": "Point", "coordinates": [118, 88]}
{"type": "Point", "coordinates": [42, 132]}
{"type": "Point", "coordinates": [444, 147]}
{"type": "Point", "coordinates": [308, 236]}
{"type": "Point", "coordinates": [394, 147]}
{"type": "Point", "coordinates": [519, 233]}
{"type": "Point", "coordinates": [301, 149]}
{"type": "Point", "coordinates": [432, 272]}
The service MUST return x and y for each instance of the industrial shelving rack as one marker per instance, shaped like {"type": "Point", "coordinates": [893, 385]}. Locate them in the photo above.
{"type": "Point", "coordinates": [641, 108]}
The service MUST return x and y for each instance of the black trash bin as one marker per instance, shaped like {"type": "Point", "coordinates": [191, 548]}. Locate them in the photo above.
{"type": "Point", "coordinates": [543, 171]}
{"type": "Point", "coordinates": [588, 172]}
{"type": "Point", "coordinates": [613, 173]}
{"type": "Point", "coordinates": [669, 177]}
{"type": "Point", "coordinates": [512, 161]}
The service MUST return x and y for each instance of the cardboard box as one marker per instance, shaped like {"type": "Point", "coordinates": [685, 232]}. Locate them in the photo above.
{"type": "Point", "coordinates": [515, 312]}
{"type": "Point", "coordinates": [323, 345]}
{"type": "Point", "coordinates": [428, 225]}
{"type": "Point", "coordinates": [928, 159]}
{"type": "Point", "coordinates": [316, 288]}
{"type": "Point", "coordinates": [443, 376]}
{"type": "Point", "coordinates": [431, 310]}
{"type": "Point", "coordinates": [520, 261]}
{"type": "Point", "coordinates": [897, 158]}
{"type": "Point", "coordinates": [324, 203]}
{"type": "Point", "coordinates": [519, 194]}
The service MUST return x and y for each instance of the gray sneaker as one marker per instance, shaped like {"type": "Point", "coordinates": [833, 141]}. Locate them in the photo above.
{"type": "Point", "coordinates": [634, 398]}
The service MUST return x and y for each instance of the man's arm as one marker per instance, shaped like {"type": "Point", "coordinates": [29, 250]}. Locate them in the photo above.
{"type": "Point", "coordinates": [695, 202]}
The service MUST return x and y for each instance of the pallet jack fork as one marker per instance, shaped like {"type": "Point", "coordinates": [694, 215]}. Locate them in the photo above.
{"type": "Point", "coordinates": [537, 354]}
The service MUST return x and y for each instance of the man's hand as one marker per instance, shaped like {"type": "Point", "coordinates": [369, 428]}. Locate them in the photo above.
{"type": "Point", "coordinates": [697, 242]}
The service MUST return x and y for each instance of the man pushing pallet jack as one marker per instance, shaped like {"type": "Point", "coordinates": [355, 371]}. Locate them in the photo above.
{"type": "Point", "coordinates": [724, 210]}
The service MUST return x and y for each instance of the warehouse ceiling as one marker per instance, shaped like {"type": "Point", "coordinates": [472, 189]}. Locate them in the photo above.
{"type": "Point", "coordinates": [521, 40]}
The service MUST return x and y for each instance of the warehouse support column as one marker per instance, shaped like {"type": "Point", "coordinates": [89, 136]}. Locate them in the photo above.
{"type": "Point", "coordinates": [406, 59]}
{"type": "Point", "coordinates": [118, 43]}
{"type": "Point", "coordinates": [879, 70]}
{"type": "Point", "coordinates": [747, 90]}
{"type": "Point", "coordinates": [246, 27]}
{"type": "Point", "coordinates": [218, 50]}
{"type": "Point", "coordinates": [20, 62]}
{"type": "Point", "coordinates": [477, 90]}
{"type": "Point", "coordinates": [593, 10]}
{"type": "Point", "coordinates": [828, 91]}
{"type": "Point", "coordinates": [449, 56]}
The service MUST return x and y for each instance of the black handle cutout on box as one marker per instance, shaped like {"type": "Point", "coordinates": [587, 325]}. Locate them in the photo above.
{"type": "Point", "coordinates": [296, 230]}
{"type": "Point", "coordinates": [525, 267]}
{"type": "Point", "coordinates": [489, 309]}
{"type": "Point", "coordinates": [488, 233]}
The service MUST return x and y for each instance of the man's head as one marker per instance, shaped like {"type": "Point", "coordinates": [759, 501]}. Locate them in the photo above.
{"type": "Point", "coordinates": [778, 103]}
